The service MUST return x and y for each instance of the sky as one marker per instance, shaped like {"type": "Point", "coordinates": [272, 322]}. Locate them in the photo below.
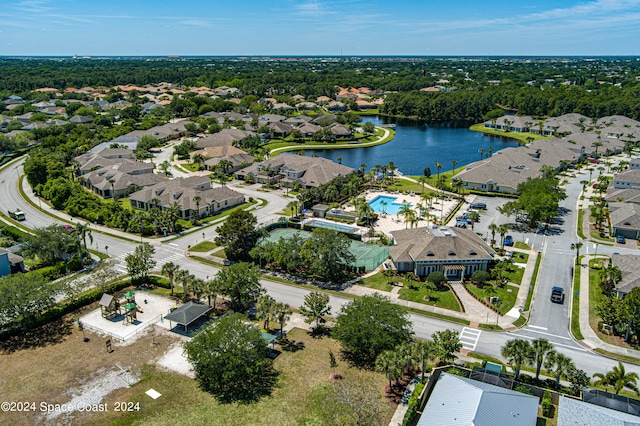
{"type": "Point", "coordinates": [319, 27]}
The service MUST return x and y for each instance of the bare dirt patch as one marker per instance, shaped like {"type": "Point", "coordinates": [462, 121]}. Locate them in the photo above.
{"type": "Point", "coordinates": [53, 364]}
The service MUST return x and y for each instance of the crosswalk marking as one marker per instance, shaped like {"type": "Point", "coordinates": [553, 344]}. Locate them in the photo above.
{"type": "Point", "coordinates": [469, 338]}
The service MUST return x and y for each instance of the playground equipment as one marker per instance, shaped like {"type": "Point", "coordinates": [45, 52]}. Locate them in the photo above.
{"type": "Point", "coordinates": [127, 306]}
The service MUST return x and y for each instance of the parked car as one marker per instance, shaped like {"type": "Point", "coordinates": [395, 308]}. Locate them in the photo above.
{"type": "Point", "coordinates": [620, 239]}
{"type": "Point", "coordinates": [557, 295]}
{"type": "Point", "coordinates": [508, 240]}
{"type": "Point", "coordinates": [479, 206]}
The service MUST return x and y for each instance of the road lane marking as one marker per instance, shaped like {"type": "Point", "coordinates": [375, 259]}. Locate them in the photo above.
{"type": "Point", "coordinates": [547, 334]}
{"type": "Point", "coordinates": [577, 348]}
{"type": "Point", "coordinates": [536, 326]}
{"type": "Point", "coordinates": [469, 338]}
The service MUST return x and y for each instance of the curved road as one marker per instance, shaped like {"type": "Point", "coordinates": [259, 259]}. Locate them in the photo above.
{"type": "Point", "coordinates": [547, 320]}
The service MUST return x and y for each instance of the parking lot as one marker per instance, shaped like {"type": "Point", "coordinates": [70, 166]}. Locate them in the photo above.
{"type": "Point", "coordinates": [492, 215]}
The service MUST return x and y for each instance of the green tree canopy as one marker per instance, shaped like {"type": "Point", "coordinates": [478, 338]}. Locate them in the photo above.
{"type": "Point", "coordinates": [140, 262]}
{"type": "Point", "coordinates": [370, 325]}
{"type": "Point", "coordinates": [24, 296]}
{"type": "Point", "coordinates": [51, 243]}
{"type": "Point", "coordinates": [238, 234]}
{"type": "Point", "coordinates": [539, 197]}
{"type": "Point", "coordinates": [241, 283]}
{"type": "Point", "coordinates": [230, 360]}
{"type": "Point", "coordinates": [326, 254]}
{"type": "Point", "coordinates": [315, 307]}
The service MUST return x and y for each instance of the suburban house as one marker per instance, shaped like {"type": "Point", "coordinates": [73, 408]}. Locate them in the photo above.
{"type": "Point", "coordinates": [10, 262]}
{"type": "Point", "coordinates": [625, 219]}
{"type": "Point", "coordinates": [112, 172]}
{"type": "Point", "coordinates": [215, 154]}
{"type": "Point", "coordinates": [630, 267]}
{"type": "Point", "coordinates": [287, 169]}
{"type": "Point", "coordinates": [225, 137]}
{"type": "Point", "coordinates": [459, 401]}
{"type": "Point", "coordinates": [511, 123]}
{"type": "Point", "coordinates": [627, 179]}
{"type": "Point", "coordinates": [456, 252]}
{"type": "Point", "coordinates": [193, 197]}
{"type": "Point", "coordinates": [507, 168]}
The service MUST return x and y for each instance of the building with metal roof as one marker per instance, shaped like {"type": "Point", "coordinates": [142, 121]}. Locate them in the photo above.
{"type": "Point", "coordinates": [459, 401]}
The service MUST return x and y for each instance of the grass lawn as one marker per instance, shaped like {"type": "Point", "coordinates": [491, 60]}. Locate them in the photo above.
{"type": "Point", "coordinates": [515, 274]}
{"type": "Point", "coordinates": [595, 297]}
{"type": "Point", "coordinates": [521, 245]}
{"type": "Point", "coordinates": [524, 137]}
{"type": "Point", "coordinates": [379, 282]}
{"type": "Point", "coordinates": [304, 378]}
{"type": "Point", "coordinates": [534, 277]}
{"type": "Point", "coordinates": [52, 369]}
{"type": "Point", "coordinates": [204, 246]}
{"type": "Point", "coordinates": [439, 298]}
{"type": "Point", "coordinates": [507, 297]}
{"type": "Point", "coordinates": [575, 305]}
{"type": "Point", "coordinates": [219, 253]}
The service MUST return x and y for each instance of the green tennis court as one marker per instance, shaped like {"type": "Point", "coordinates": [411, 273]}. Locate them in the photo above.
{"type": "Point", "coordinates": [369, 256]}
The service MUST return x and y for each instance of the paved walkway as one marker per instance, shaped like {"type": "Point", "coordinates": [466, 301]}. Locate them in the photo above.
{"type": "Point", "coordinates": [591, 339]}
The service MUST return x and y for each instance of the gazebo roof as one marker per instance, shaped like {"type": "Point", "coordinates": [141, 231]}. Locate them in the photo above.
{"type": "Point", "coordinates": [106, 299]}
{"type": "Point", "coordinates": [188, 313]}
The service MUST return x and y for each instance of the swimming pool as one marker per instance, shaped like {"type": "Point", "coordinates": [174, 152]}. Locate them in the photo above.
{"type": "Point", "coordinates": [386, 204]}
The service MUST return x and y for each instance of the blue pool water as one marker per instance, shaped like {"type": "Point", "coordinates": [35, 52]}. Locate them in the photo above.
{"type": "Point", "coordinates": [392, 205]}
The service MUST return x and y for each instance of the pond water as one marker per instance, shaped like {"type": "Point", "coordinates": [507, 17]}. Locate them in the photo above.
{"type": "Point", "coordinates": [418, 145]}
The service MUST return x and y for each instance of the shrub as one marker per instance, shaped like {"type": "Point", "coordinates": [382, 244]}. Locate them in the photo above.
{"type": "Point", "coordinates": [412, 406]}
{"type": "Point", "coordinates": [546, 404]}
{"type": "Point", "coordinates": [523, 389]}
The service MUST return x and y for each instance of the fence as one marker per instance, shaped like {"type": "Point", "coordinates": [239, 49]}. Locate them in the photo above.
{"type": "Point", "coordinates": [124, 337]}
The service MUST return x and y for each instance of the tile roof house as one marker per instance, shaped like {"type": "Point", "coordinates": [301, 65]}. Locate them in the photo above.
{"type": "Point", "coordinates": [630, 267]}
{"type": "Point", "coordinates": [288, 168]}
{"type": "Point", "coordinates": [625, 219]}
{"type": "Point", "coordinates": [226, 137]}
{"type": "Point", "coordinates": [214, 154]}
{"type": "Point", "coordinates": [456, 252]}
{"type": "Point", "coordinates": [505, 169]}
{"type": "Point", "coordinates": [112, 172]}
{"type": "Point", "coordinates": [184, 193]}
{"type": "Point", "coordinates": [459, 401]}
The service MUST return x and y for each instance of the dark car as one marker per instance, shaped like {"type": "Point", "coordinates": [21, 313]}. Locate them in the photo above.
{"type": "Point", "coordinates": [620, 239]}
{"type": "Point", "coordinates": [479, 206]}
{"type": "Point", "coordinates": [557, 295]}
{"type": "Point", "coordinates": [508, 240]}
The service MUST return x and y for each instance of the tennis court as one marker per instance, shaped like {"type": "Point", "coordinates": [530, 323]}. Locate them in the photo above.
{"type": "Point", "coordinates": [368, 256]}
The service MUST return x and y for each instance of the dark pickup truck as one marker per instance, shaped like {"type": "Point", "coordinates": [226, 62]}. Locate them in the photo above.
{"type": "Point", "coordinates": [557, 295]}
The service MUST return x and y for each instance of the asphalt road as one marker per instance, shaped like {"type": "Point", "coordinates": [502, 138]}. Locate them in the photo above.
{"type": "Point", "coordinates": [547, 320]}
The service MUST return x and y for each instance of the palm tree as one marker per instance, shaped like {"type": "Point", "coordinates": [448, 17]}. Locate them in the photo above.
{"type": "Point", "coordinates": [457, 185]}
{"type": "Point", "coordinates": [490, 151]}
{"type": "Point", "coordinates": [576, 246]}
{"type": "Point", "coordinates": [560, 364]}
{"type": "Point", "coordinates": [183, 277]}
{"type": "Point", "coordinates": [282, 315]}
{"type": "Point", "coordinates": [517, 352]}
{"type": "Point", "coordinates": [493, 228]}
{"type": "Point", "coordinates": [540, 348]}
{"type": "Point", "coordinates": [82, 231]}
{"type": "Point", "coordinates": [426, 351]}
{"type": "Point", "coordinates": [363, 167]}
{"type": "Point", "coordinates": [169, 270]}
{"type": "Point", "coordinates": [339, 160]}
{"type": "Point", "coordinates": [502, 230]}
{"type": "Point", "coordinates": [481, 151]}
{"type": "Point", "coordinates": [383, 203]}
{"type": "Point", "coordinates": [113, 194]}
{"type": "Point", "coordinates": [265, 309]}
{"type": "Point", "coordinates": [438, 166]}
{"type": "Point", "coordinates": [225, 166]}
{"type": "Point", "coordinates": [385, 363]}
{"type": "Point", "coordinates": [453, 166]}
{"type": "Point", "coordinates": [196, 199]}
{"type": "Point", "coordinates": [619, 379]}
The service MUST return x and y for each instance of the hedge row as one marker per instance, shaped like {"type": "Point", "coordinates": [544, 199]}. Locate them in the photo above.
{"type": "Point", "coordinates": [412, 406]}
{"type": "Point", "coordinates": [546, 404]}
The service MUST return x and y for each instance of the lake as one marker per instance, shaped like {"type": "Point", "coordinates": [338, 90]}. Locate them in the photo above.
{"type": "Point", "coordinates": [418, 145]}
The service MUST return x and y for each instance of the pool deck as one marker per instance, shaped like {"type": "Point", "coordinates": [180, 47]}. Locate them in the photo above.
{"type": "Point", "coordinates": [393, 222]}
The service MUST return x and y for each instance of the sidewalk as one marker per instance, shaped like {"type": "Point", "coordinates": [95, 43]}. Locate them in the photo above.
{"type": "Point", "coordinates": [591, 339]}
